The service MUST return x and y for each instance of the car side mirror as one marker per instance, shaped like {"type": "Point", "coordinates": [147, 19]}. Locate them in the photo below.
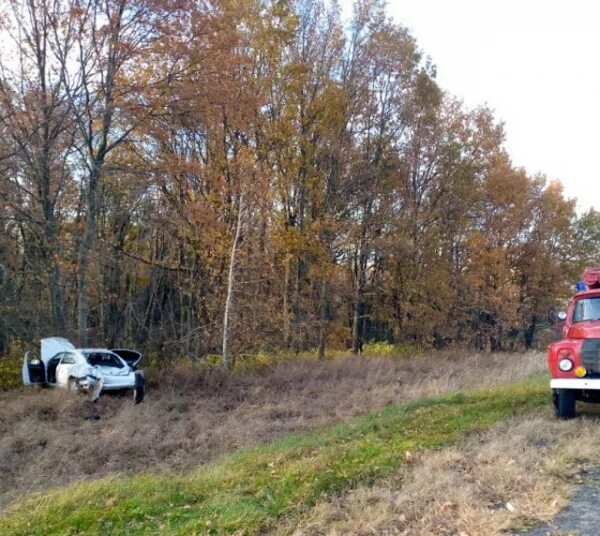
{"type": "Point", "coordinates": [562, 316]}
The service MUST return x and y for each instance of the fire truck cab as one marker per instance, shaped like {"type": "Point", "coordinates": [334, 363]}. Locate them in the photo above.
{"type": "Point", "coordinates": [574, 361]}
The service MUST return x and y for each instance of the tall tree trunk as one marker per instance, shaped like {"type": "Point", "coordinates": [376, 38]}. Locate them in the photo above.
{"type": "Point", "coordinates": [286, 306]}
{"type": "Point", "coordinates": [230, 284]}
{"type": "Point", "coordinates": [301, 267]}
{"type": "Point", "coordinates": [58, 311]}
{"type": "Point", "coordinates": [85, 249]}
{"type": "Point", "coordinates": [56, 296]}
{"type": "Point", "coordinates": [324, 320]}
{"type": "Point", "coordinates": [51, 239]}
{"type": "Point", "coordinates": [360, 276]}
{"type": "Point", "coordinates": [298, 309]}
{"type": "Point", "coordinates": [530, 333]}
{"type": "Point", "coordinates": [357, 341]}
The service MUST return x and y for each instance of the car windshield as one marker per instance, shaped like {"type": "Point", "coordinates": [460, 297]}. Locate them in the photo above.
{"type": "Point", "coordinates": [103, 359]}
{"type": "Point", "coordinates": [587, 309]}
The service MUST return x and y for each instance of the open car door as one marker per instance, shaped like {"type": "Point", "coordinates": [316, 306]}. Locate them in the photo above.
{"type": "Point", "coordinates": [34, 370]}
{"type": "Point", "coordinates": [35, 367]}
{"type": "Point", "coordinates": [131, 357]}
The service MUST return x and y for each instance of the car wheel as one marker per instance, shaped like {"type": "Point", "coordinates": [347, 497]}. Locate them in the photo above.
{"type": "Point", "coordinates": [565, 407]}
{"type": "Point", "coordinates": [139, 389]}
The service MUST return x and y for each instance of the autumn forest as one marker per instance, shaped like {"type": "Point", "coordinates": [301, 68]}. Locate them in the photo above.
{"type": "Point", "coordinates": [224, 177]}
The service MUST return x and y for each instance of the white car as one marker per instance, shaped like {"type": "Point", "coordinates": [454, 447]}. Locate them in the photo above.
{"type": "Point", "coordinates": [84, 369]}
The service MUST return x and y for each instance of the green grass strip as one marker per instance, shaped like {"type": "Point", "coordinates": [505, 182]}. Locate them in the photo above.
{"type": "Point", "coordinates": [247, 492]}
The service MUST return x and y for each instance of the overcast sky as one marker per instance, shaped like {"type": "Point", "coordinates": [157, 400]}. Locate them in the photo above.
{"type": "Point", "coordinates": [536, 63]}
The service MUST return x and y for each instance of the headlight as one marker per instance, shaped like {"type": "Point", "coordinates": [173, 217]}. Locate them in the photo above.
{"type": "Point", "coordinates": [565, 364]}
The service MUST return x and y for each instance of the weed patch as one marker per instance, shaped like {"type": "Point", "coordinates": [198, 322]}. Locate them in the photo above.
{"type": "Point", "coordinates": [517, 474]}
{"type": "Point", "coordinates": [192, 415]}
{"type": "Point", "coordinates": [10, 373]}
{"type": "Point", "coordinates": [249, 491]}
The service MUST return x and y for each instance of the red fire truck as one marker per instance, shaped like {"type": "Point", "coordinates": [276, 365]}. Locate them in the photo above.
{"type": "Point", "coordinates": [574, 361]}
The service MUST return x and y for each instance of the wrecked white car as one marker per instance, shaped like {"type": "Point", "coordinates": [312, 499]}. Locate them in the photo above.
{"type": "Point", "coordinates": [84, 369]}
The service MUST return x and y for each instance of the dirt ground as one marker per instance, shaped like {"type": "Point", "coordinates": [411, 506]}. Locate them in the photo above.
{"type": "Point", "coordinates": [49, 437]}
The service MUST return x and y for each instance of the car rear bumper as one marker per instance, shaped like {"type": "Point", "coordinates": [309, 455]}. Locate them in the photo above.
{"type": "Point", "coordinates": [576, 383]}
{"type": "Point", "coordinates": [118, 382]}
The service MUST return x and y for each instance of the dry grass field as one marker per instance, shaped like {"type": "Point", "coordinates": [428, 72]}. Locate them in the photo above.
{"type": "Point", "coordinates": [49, 438]}
{"type": "Point", "coordinates": [517, 474]}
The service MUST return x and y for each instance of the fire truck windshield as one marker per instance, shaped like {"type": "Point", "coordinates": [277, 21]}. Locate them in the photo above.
{"type": "Point", "coordinates": [587, 309]}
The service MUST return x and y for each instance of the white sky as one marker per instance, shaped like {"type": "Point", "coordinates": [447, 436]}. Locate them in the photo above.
{"type": "Point", "coordinates": [536, 63]}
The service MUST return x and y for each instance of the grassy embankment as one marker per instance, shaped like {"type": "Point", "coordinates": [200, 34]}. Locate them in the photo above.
{"type": "Point", "coordinates": [252, 489]}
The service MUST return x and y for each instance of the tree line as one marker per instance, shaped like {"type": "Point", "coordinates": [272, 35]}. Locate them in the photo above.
{"type": "Point", "coordinates": [226, 176]}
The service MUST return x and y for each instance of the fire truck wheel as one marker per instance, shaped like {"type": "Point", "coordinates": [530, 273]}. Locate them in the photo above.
{"type": "Point", "coordinates": [565, 404]}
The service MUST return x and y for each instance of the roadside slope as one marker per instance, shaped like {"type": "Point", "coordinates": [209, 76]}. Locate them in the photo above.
{"type": "Point", "coordinates": [50, 438]}
{"type": "Point", "coordinates": [520, 473]}
{"type": "Point", "coordinates": [249, 491]}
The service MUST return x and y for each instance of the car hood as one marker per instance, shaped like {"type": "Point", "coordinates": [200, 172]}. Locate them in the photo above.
{"type": "Point", "coordinates": [51, 346]}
